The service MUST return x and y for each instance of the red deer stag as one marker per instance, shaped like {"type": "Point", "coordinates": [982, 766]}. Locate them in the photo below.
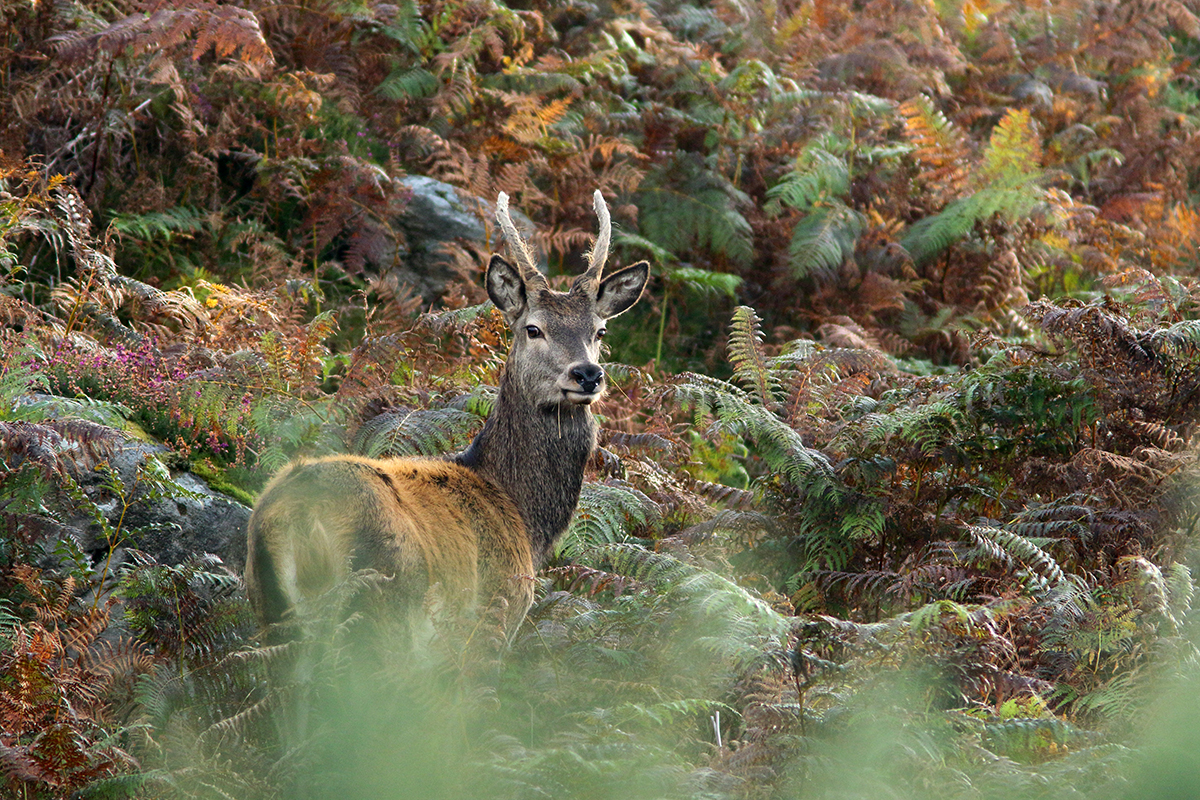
{"type": "Point", "coordinates": [478, 523]}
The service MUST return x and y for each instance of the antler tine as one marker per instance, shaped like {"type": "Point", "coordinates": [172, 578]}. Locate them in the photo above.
{"type": "Point", "coordinates": [517, 244]}
{"type": "Point", "coordinates": [590, 279]}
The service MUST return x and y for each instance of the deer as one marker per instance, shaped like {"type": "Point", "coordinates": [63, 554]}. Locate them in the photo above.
{"type": "Point", "coordinates": [477, 524]}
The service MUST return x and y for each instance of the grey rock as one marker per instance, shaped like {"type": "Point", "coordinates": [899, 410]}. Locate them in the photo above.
{"type": "Point", "coordinates": [171, 517]}
{"type": "Point", "coordinates": [1067, 81]}
{"type": "Point", "coordinates": [1033, 92]}
{"type": "Point", "coordinates": [436, 214]}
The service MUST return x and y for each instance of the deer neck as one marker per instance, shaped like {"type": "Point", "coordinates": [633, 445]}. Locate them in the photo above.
{"type": "Point", "coordinates": [536, 456]}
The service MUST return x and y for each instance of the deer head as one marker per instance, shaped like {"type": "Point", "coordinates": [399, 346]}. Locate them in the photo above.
{"type": "Point", "coordinates": [556, 342]}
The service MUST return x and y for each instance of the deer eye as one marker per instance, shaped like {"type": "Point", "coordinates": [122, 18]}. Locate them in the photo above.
{"type": "Point", "coordinates": [533, 331]}
{"type": "Point", "coordinates": [600, 333]}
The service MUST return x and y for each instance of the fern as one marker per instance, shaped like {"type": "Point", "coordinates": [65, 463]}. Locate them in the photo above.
{"type": "Point", "coordinates": [686, 206]}
{"type": "Point", "coordinates": [1043, 573]}
{"type": "Point", "coordinates": [1014, 152]}
{"type": "Point", "coordinates": [751, 367]}
{"type": "Point", "coordinates": [607, 513]}
{"type": "Point", "coordinates": [818, 177]}
{"type": "Point", "coordinates": [405, 432]}
{"type": "Point", "coordinates": [1008, 188]}
{"type": "Point", "coordinates": [777, 443]}
{"type": "Point", "coordinates": [928, 237]}
{"type": "Point", "coordinates": [160, 224]}
{"type": "Point", "coordinates": [824, 240]}
{"type": "Point", "coordinates": [940, 147]}
{"type": "Point", "coordinates": [817, 185]}
{"type": "Point", "coordinates": [288, 429]}
{"type": "Point", "coordinates": [705, 282]}
{"type": "Point", "coordinates": [734, 623]}
{"type": "Point", "coordinates": [408, 83]}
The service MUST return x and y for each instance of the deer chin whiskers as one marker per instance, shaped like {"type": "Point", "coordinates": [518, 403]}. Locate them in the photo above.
{"type": "Point", "coordinates": [578, 398]}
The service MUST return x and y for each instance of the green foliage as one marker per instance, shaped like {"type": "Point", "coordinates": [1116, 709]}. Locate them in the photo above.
{"type": "Point", "coordinates": [930, 236]}
{"type": "Point", "coordinates": [186, 612]}
{"type": "Point", "coordinates": [405, 432]}
{"type": "Point", "coordinates": [607, 513]}
{"type": "Point", "coordinates": [686, 206]}
{"type": "Point", "coordinates": [818, 186]}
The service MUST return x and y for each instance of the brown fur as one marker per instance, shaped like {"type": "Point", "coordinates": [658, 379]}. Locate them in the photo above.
{"type": "Point", "coordinates": [478, 524]}
{"type": "Point", "coordinates": [424, 521]}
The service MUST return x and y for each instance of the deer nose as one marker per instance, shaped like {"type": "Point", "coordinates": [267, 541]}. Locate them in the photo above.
{"type": "Point", "coordinates": [588, 376]}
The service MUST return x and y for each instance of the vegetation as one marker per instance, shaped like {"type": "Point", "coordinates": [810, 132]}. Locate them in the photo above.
{"type": "Point", "coordinates": [896, 499]}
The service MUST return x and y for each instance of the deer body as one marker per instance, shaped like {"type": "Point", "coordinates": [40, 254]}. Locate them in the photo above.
{"type": "Point", "coordinates": [480, 523]}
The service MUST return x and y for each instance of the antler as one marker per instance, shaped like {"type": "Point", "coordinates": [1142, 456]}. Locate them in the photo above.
{"type": "Point", "coordinates": [520, 249]}
{"type": "Point", "coordinates": [590, 279]}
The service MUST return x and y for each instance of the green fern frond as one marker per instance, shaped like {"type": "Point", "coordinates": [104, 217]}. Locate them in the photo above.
{"type": "Point", "coordinates": [287, 428]}
{"type": "Point", "coordinates": [670, 712]}
{"type": "Point", "coordinates": [457, 317]}
{"type": "Point", "coordinates": [818, 176]}
{"type": "Point", "coordinates": [658, 254]}
{"type": "Point", "coordinates": [408, 83]}
{"type": "Point", "coordinates": [686, 205]}
{"type": "Point", "coordinates": [779, 445]}
{"type": "Point", "coordinates": [482, 398]}
{"type": "Point", "coordinates": [35, 408]}
{"type": "Point", "coordinates": [751, 367]}
{"type": "Point", "coordinates": [1008, 547]}
{"type": "Point", "coordinates": [929, 427]}
{"type": "Point", "coordinates": [705, 282]}
{"type": "Point", "coordinates": [931, 615]}
{"type": "Point", "coordinates": [738, 617]}
{"type": "Point", "coordinates": [1014, 152]}
{"type": "Point", "coordinates": [824, 240]}
{"type": "Point", "coordinates": [1181, 340]}
{"type": "Point", "coordinates": [405, 432]}
{"type": "Point", "coordinates": [858, 103]}
{"type": "Point", "coordinates": [930, 236]}
{"type": "Point", "coordinates": [161, 224]}
{"type": "Point", "coordinates": [607, 513]}
{"type": "Point", "coordinates": [1180, 589]}
{"type": "Point", "coordinates": [694, 23]}
{"type": "Point", "coordinates": [1115, 699]}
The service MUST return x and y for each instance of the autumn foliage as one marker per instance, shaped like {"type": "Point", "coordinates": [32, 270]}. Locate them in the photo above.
{"type": "Point", "coordinates": [913, 391]}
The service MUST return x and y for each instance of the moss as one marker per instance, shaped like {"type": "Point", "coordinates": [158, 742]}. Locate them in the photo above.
{"type": "Point", "coordinates": [217, 480]}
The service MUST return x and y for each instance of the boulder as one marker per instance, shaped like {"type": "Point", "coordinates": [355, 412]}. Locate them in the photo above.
{"type": "Point", "coordinates": [169, 516]}
{"type": "Point", "coordinates": [436, 214]}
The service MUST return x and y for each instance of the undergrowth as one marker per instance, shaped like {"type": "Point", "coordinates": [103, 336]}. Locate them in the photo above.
{"type": "Point", "coordinates": [898, 499]}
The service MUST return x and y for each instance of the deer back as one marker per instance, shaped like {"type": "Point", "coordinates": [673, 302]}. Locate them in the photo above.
{"type": "Point", "coordinates": [423, 521]}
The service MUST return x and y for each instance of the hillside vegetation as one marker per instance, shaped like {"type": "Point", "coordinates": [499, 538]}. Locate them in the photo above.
{"type": "Point", "coordinates": [896, 489]}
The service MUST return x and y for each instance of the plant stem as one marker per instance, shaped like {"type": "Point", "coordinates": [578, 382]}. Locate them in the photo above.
{"type": "Point", "coordinates": [662, 324]}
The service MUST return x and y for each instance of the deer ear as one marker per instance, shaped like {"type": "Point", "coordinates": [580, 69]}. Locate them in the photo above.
{"type": "Point", "coordinates": [506, 288]}
{"type": "Point", "coordinates": [618, 292]}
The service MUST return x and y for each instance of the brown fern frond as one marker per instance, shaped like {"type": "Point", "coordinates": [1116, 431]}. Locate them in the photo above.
{"type": "Point", "coordinates": [223, 29]}
{"type": "Point", "coordinates": [745, 529]}
{"type": "Point", "coordinates": [562, 240]}
{"type": "Point", "coordinates": [1114, 354]}
{"type": "Point", "coordinates": [117, 660]}
{"type": "Point", "coordinates": [510, 153]}
{"type": "Point", "coordinates": [580, 579]}
{"type": "Point", "coordinates": [722, 495]}
{"type": "Point", "coordinates": [942, 149]}
{"type": "Point", "coordinates": [637, 442]}
{"type": "Point", "coordinates": [530, 119]}
{"type": "Point", "coordinates": [28, 442]}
